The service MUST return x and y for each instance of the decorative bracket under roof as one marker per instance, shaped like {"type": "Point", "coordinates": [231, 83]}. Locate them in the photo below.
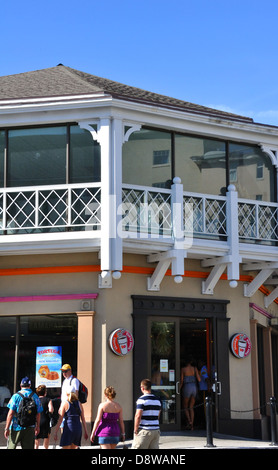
{"type": "Point", "coordinates": [271, 152]}
{"type": "Point", "coordinates": [219, 265]}
{"type": "Point", "coordinates": [164, 260]}
{"type": "Point", "coordinates": [266, 270]}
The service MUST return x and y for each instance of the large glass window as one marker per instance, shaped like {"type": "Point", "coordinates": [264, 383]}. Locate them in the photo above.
{"type": "Point", "coordinates": [147, 158]}
{"type": "Point", "coordinates": [201, 164]}
{"type": "Point", "coordinates": [84, 156]}
{"type": "Point", "coordinates": [48, 156]}
{"type": "Point", "coordinates": [37, 156]}
{"type": "Point", "coordinates": [7, 352]}
{"type": "Point", "coordinates": [251, 171]}
{"type": "Point", "coordinates": [19, 338]}
{"type": "Point", "coordinates": [153, 158]}
{"type": "Point", "coordinates": [2, 156]}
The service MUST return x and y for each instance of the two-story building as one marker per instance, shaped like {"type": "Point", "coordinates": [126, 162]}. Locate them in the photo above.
{"type": "Point", "coordinates": [135, 230]}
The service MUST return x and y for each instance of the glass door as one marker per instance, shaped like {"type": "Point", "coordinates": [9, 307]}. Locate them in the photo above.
{"type": "Point", "coordinates": [165, 370]}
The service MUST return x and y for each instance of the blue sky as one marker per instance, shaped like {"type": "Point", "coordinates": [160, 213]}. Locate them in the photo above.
{"type": "Point", "coordinates": [215, 53]}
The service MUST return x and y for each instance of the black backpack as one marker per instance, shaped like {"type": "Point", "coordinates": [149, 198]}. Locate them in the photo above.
{"type": "Point", "coordinates": [27, 411]}
{"type": "Point", "coordinates": [82, 392]}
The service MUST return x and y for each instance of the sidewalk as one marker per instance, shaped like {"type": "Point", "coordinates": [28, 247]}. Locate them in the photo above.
{"type": "Point", "coordinates": [192, 440]}
{"type": "Point", "coordinates": [198, 440]}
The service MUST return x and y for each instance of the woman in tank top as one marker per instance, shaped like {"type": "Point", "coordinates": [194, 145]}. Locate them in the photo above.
{"type": "Point", "coordinates": [189, 384]}
{"type": "Point", "coordinates": [109, 424]}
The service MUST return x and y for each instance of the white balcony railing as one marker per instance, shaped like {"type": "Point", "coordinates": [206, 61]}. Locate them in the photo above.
{"type": "Point", "coordinates": [150, 210]}
{"type": "Point", "coordinates": [145, 210]}
{"type": "Point", "coordinates": [50, 208]}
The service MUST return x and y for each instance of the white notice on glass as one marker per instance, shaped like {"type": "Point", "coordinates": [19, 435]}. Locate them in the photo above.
{"type": "Point", "coordinates": [163, 365]}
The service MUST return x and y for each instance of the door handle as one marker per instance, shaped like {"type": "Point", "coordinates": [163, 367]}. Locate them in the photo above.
{"type": "Point", "coordinates": [177, 388]}
{"type": "Point", "coordinates": [217, 388]}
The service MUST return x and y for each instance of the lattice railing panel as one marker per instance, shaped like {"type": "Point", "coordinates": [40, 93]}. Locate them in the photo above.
{"type": "Point", "coordinates": [258, 221]}
{"type": "Point", "coordinates": [146, 211]}
{"type": "Point", "coordinates": [209, 215]}
{"type": "Point", "coordinates": [67, 207]}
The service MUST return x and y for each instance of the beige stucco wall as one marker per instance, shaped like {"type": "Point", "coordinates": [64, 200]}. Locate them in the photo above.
{"type": "Point", "coordinates": [113, 309]}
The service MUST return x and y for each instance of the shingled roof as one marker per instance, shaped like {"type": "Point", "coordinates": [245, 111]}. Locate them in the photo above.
{"type": "Point", "coordinates": [65, 81]}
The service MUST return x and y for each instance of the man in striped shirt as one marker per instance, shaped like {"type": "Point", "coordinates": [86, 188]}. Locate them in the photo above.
{"type": "Point", "coordinates": [146, 420]}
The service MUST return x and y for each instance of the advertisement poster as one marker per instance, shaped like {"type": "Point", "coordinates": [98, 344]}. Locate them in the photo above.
{"type": "Point", "coordinates": [48, 365]}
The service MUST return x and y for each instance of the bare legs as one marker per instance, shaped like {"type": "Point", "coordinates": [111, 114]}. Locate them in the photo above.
{"type": "Point", "coordinates": [188, 404]}
{"type": "Point", "coordinates": [108, 446]}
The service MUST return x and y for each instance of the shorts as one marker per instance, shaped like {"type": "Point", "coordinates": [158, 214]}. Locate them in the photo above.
{"type": "Point", "coordinates": [189, 390]}
{"type": "Point", "coordinates": [25, 437]}
{"type": "Point", "coordinates": [146, 439]}
{"type": "Point", "coordinates": [108, 439]}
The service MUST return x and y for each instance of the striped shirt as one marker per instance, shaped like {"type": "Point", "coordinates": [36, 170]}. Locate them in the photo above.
{"type": "Point", "coordinates": [151, 407]}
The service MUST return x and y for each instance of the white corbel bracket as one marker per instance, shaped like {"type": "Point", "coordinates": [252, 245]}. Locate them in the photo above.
{"type": "Point", "coordinates": [265, 271]}
{"type": "Point", "coordinates": [105, 278]}
{"type": "Point", "coordinates": [271, 297]}
{"type": "Point", "coordinates": [164, 260]}
{"type": "Point", "coordinates": [219, 264]}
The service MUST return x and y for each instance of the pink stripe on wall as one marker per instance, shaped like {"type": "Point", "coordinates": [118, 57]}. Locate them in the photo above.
{"type": "Point", "coordinates": [42, 298]}
{"type": "Point", "coordinates": [260, 310]}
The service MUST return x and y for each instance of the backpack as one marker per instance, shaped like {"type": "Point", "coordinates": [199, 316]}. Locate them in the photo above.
{"type": "Point", "coordinates": [82, 392]}
{"type": "Point", "coordinates": [27, 411]}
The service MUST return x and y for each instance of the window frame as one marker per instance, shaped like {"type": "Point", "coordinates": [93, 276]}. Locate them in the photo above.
{"type": "Point", "coordinates": [66, 125]}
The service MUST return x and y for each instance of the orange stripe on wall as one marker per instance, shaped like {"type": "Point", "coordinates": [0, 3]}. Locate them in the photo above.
{"type": "Point", "coordinates": [126, 269]}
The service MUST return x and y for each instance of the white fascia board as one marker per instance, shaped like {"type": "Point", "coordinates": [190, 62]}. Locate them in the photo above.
{"type": "Point", "coordinates": [197, 124]}
{"type": "Point", "coordinates": [73, 108]}
{"type": "Point", "coordinates": [49, 243]}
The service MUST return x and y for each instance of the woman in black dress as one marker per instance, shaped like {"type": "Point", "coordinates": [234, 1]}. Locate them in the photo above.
{"type": "Point", "coordinates": [45, 417]}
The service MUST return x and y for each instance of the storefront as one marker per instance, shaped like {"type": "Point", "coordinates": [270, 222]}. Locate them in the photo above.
{"type": "Point", "coordinates": [167, 331]}
{"type": "Point", "coordinates": [20, 337]}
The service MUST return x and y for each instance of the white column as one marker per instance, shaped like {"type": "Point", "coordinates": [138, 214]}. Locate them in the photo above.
{"type": "Point", "coordinates": [233, 238]}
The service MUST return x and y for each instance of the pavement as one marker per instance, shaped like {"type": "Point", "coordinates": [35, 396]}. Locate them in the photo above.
{"type": "Point", "coordinates": [198, 440]}
{"type": "Point", "coordinates": [189, 440]}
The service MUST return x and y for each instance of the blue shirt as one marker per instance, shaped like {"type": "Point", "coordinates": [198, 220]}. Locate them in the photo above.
{"type": "Point", "coordinates": [14, 404]}
{"type": "Point", "coordinates": [204, 376]}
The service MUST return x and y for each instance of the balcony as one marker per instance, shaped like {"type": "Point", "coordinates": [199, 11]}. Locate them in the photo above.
{"type": "Point", "coordinates": [147, 213]}
{"type": "Point", "coordinates": [166, 225]}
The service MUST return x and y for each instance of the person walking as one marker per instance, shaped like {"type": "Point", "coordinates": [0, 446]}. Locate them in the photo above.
{"type": "Point", "coordinates": [70, 383]}
{"type": "Point", "coordinates": [71, 412]}
{"type": "Point", "coordinates": [189, 383]}
{"type": "Point", "coordinates": [109, 424]}
{"type": "Point", "coordinates": [20, 430]}
{"type": "Point", "coordinates": [48, 409]}
{"type": "Point", "coordinates": [146, 420]}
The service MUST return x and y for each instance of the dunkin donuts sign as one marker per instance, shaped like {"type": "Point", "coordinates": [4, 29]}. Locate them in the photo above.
{"type": "Point", "coordinates": [240, 345]}
{"type": "Point", "coordinates": [121, 341]}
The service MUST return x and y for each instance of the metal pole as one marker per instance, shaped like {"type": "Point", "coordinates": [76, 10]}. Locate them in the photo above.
{"type": "Point", "coordinates": [209, 422]}
{"type": "Point", "coordinates": [273, 422]}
